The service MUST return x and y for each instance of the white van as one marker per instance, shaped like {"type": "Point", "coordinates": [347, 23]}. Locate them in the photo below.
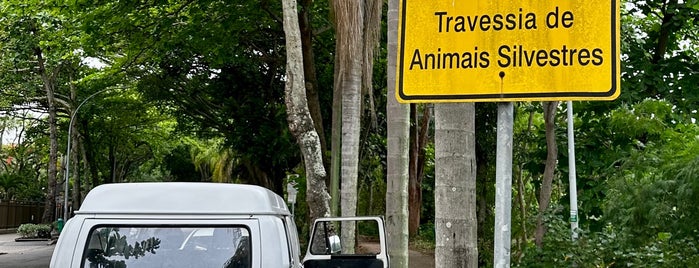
{"type": "Point", "coordinates": [150, 225]}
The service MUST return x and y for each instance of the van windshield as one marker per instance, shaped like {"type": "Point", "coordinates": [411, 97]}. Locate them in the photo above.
{"type": "Point", "coordinates": [168, 246]}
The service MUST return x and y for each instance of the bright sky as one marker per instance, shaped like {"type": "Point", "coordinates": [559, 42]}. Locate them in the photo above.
{"type": "Point", "coordinates": [8, 137]}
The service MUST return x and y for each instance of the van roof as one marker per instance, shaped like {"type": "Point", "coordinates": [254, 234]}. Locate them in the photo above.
{"type": "Point", "coordinates": [182, 198]}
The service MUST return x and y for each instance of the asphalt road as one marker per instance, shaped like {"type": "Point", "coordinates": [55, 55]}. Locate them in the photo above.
{"type": "Point", "coordinates": [34, 254]}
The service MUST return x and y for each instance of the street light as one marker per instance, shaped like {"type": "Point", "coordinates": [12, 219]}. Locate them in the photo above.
{"type": "Point", "coordinates": [70, 129]}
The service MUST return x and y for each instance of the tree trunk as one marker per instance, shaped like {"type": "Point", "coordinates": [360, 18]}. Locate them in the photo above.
{"type": "Point", "coordinates": [349, 17]}
{"type": "Point", "coordinates": [664, 33]}
{"type": "Point", "coordinates": [520, 192]}
{"type": "Point", "coordinates": [112, 164]}
{"type": "Point", "coordinates": [551, 158]}
{"type": "Point", "coordinates": [414, 192]}
{"type": "Point", "coordinates": [90, 156]}
{"type": "Point", "coordinates": [397, 126]}
{"type": "Point", "coordinates": [75, 156]}
{"type": "Point", "coordinates": [49, 87]}
{"type": "Point", "coordinates": [309, 74]}
{"type": "Point", "coordinates": [371, 39]}
{"type": "Point", "coordinates": [74, 150]}
{"type": "Point", "coordinates": [299, 117]}
{"type": "Point", "coordinates": [86, 167]}
{"type": "Point", "coordinates": [455, 186]}
{"type": "Point", "coordinates": [336, 148]}
{"type": "Point", "coordinates": [417, 162]}
{"type": "Point", "coordinates": [423, 135]}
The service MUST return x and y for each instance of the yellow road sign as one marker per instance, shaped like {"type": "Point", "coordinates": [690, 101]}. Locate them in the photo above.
{"type": "Point", "coordinates": [485, 50]}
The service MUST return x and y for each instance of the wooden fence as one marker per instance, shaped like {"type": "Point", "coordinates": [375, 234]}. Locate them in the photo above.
{"type": "Point", "coordinates": [15, 213]}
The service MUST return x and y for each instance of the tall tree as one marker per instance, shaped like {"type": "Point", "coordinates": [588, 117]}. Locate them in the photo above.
{"type": "Point", "coordinates": [549, 170]}
{"type": "Point", "coordinates": [299, 117]}
{"type": "Point", "coordinates": [309, 73]}
{"type": "Point", "coordinates": [349, 22]}
{"type": "Point", "coordinates": [398, 125]}
{"type": "Point", "coordinates": [357, 24]}
{"type": "Point", "coordinates": [36, 44]}
{"type": "Point", "coordinates": [418, 140]}
{"type": "Point", "coordinates": [455, 186]}
{"type": "Point", "coordinates": [204, 62]}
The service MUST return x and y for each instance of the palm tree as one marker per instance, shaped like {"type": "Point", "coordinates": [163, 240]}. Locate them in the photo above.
{"type": "Point", "coordinates": [455, 186]}
{"type": "Point", "coordinates": [349, 17]}
{"type": "Point", "coordinates": [398, 125]}
{"type": "Point", "coordinates": [9, 183]}
{"type": "Point", "coordinates": [357, 25]}
{"type": "Point", "coordinates": [214, 160]}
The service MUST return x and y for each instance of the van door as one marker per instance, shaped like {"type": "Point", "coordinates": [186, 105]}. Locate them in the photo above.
{"type": "Point", "coordinates": [328, 247]}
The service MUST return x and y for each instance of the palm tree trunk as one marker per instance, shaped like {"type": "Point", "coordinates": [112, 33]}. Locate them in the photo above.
{"type": "Point", "coordinates": [455, 186]}
{"type": "Point", "coordinates": [397, 125]}
{"type": "Point", "coordinates": [349, 23]}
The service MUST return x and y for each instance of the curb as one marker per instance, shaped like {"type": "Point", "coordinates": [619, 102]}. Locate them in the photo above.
{"type": "Point", "coordinates": [8, 231]}
{"type": "Point", "coordinates": [31, 239]}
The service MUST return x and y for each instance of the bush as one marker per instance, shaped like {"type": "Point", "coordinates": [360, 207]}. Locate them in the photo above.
{"type": "Point", "coordinates": [610, 247]}
{"type": "Point", "coordinates": [29, 230]}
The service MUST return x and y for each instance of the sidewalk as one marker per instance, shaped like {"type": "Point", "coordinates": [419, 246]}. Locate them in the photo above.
{"type": "Point", "coordinates": [8, 245]}
{"type": "Point", "coordinates": [8, 231]}
{"type": "Point", "coordinates": [24, 254]}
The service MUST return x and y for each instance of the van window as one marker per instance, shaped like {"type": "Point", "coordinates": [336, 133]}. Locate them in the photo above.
{"type": "Point", "coordinates": [168, 246]}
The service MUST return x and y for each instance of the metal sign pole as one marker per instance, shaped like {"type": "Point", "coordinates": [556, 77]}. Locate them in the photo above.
{"type": "Point", "coordinates": [503, 184]}
{"type": "Point", "coordinates": [572, 176]}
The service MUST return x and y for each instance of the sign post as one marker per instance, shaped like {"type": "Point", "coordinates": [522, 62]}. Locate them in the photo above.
{"type": "Point", "coordinates": [572, 180]}
{"type": "Point", "coordinates": [503, 185]}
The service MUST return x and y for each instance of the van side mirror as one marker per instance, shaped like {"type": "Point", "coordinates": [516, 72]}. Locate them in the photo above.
{"type": "Point", "coordinates": [335, 245]}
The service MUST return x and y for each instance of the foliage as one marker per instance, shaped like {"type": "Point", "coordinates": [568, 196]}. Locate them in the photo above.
{"type": "Point", "coordinates": [125, 133]}
{"type": "Point", "coordinates": [30, 230]}
{"type": "Point", "coordinates": [427, 213]}
{"type": "Point", "coordinates": [647, 210]}
{"type": "Point", "coordinates": [655, 185]}
{"type": "Point", "coordinates": [660, 52]}
{"type": "Point", "coordinates": [609, 248]}
{"type": "Point", "coordinates": [372, 179]}
{"type": "Point", "coordinates": [180, 166]}
{"type": "Point", "coordinates": [216, 72]}
{"type": "Point", "coordinates": [9, 183]}
{"type": "Point", "coordinates": [22, 172]}
{"type": "Point", "coordinates": [425, 236]}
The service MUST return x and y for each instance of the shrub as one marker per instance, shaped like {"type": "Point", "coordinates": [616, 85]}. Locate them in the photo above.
{"type": "Point", "coordinates": [30, 230]}
{"type": "Point", "coordinates": [610, 247]}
